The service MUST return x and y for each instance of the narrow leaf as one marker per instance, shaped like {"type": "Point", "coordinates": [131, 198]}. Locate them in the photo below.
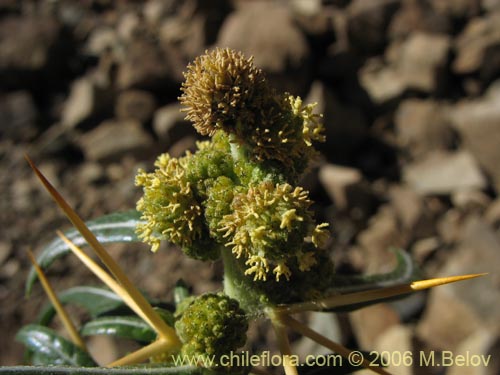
{"type": "Point", "coordinates": [113, 228]}
{"type": "Point", "coordinates": [51, 348]}
{"type": "Point", "coordinates": [96, 301]}
{"type": "Point", "coordinates": [128, 327]}
{"type": "Point", "coordinates": [405, 271]}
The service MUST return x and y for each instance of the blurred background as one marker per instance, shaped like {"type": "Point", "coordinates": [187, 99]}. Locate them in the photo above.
{"type": "Point", "coordinates": [410, 91]}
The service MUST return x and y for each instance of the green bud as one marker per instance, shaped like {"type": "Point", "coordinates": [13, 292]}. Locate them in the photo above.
{"type": "Point", "coordinates": [212, 325]}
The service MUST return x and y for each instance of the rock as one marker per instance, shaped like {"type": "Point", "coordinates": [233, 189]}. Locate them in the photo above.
{"type": "Point", "coordinates": [89, 99]}
{"type": "Point", "coordinates": [307, 7]}
{"type": "Point", "coordinates": [156, 10]}
{"type": "Point", "coordinates": [381, 82]}
{"type": "Point", "coordinates": [101, 39]}
{"type": "Point", "coordinates": [415, 16]}
{"type": "Point", "coordinates": [129, 25]}
{"type": "Point", "coordinates": [9, 268]}
{"type": "Point", "coordinates": [370, 322]}
{"type": "Point", "coordinates": [423, 248]}
{"type": "Point", "coordinates": [5, 251]}
{"type": "Point", "coordinates": [396, 343]}
{"type": "Point", "coordinates": [447, 321]}
{"type": "Point", "coordinates": [329, 326]}
{"type": "Point", "coordinates": [345, 126]}
{"type": "Point", "coordinates": [26, 42]}
{"type": "Point", "coordinates": [18, 114]}
{"type": "Point", "coordinates": [338, 181]}
{"type": "Point", "coordinates": [89, 173]}
{"type": "Point", "coordinates": [492, 214]}
{"type": "Point", "coordinates": [367, 23]}
{"type": "Point", "coordinates": [422, 126]}
{"type": "Point", "coordinates": [191, 26]}
{"type": "Point", "coordinates": [455, 311]}
{"type": "Point", "coordinates": [490, 5]}
{"type": "Point", "coordinates": [422, 59]}
{"type": "Point", "coordinates": [382, 233]}
{"type": "Point", "coordinates": [444, 173]}
{"type": "Point", "coordinates": [410, 210]}
{"type": "Point", "coordinates": [481, 350]}
{"type": "Point", "coordinates": [317, 22]}
{"type": "Point", "coordinates": [283, 56]}
{"type": "Point", "coordinates": [417, 63]}
{"type": "Point", "coordinates": [470, 200]}
{"type": "Point", "coordinates": [449, 227]}
{"type": "Point", "coordinates": [457, 8]}
{"type": "Point", "coordinates": [145, 66]}
{"type": "Point", "coordinates": [477, 47]}
{"type": "Point", "coordinates": [136, 105]}
{"type": "Point", "coordinates": [478, 123]}
{"type": "Point", "coordinates": [169, 124]}
{"type": "Point", "coordinates": [103, 349]}
{"type": "Point", "coordinates": [114, 139]}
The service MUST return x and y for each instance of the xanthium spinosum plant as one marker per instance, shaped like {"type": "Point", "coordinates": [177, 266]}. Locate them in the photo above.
{"type": "Point", "coordinates": [236, 198]}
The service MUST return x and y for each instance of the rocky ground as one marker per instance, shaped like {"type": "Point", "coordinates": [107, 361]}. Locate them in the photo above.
{"type": "Point", "coordinates": [410, 92]}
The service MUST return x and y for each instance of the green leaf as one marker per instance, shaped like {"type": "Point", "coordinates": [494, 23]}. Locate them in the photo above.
{"type": "Point", "coordinates": [128, 327]}
{"type": "Point", "coordinates": [51, 349]}
{"type": "Point", "coordinates": [116, 227]}
{"type": "Point", "coordinates": [96, 301]}
{"type": "Point", "coordinates": [166, 315]}
{"type": "Point", "coordinates": [137, 370]}
{"type": "Point", "coordinates": [405, 271]}
{"type": "Point", "coordinates": [181, 291]}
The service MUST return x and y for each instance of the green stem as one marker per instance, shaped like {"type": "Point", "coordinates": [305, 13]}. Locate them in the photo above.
{"type": "Point", "coordinates": [239, 286]}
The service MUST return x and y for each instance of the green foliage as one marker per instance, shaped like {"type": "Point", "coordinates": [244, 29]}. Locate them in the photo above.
{"type": "Point", "coordinates": [52, 349]}
{"type": "Point", "coordinates": [128, 327]}
{"type": "Point", "coordinates": [96, 301]}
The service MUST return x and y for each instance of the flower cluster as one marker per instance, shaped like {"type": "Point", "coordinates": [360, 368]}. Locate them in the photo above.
{"type": "Point", "coordinates": [267, 227]}
{"type": "Point", "coordinates": [168, 205]}
{"type": "Point", "coordinates": [236, 193]}
{"type": "Point", "coordinates": [224, 91]}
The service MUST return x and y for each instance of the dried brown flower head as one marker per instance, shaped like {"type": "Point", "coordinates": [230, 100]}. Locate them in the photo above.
{"type": "Point", "coordinates": [222, 88]}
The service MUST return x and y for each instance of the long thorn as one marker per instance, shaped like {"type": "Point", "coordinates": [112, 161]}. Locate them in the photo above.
{"type": "Point", "coordinates": [61, 312]}
{"type": "Point", "coordinates": [139, 356]}
{"type": "Point", "coordinates": [162, 328]}
{"type": "Point", "coordinates": [340, 300]}
{"type": "Point", "coordinates": [283, 343]}
{"type": "Point", "coordinates": [105, 278]}
{"type": "Point", "coordinates": [322, 340]}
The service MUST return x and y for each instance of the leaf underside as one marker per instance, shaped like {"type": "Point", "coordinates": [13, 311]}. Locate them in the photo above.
{"type": "Point", "coordinates": [50, 348]}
